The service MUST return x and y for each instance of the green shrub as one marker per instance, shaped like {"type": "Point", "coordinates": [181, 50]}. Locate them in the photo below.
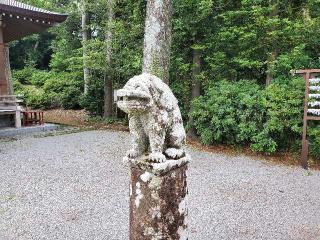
{"type": "Point", "coordinates": [93, 101]}
{"type": "Point", "coordinates": [36, 97]}
{"type": "Point", "coordinates": [24, 75]}
{"type": "Point", "coordinates": [43, 89]}
{"type": "Point", "coordinates": [181, 91]}
{"type": "Point", "coordinates": [229, 112]}
{"type": "Point", "coordinates": [67, 87]}
{"type": "Point", "coordinates": [314, 141]}
{"type": "Point", "coordinates": [39, 77]}
{"type": "Point", "coordinates": [242, 113]}
{"type": "Point", "coordinates": [283, 104]}
{"type": "Point", "coordinates": [32, 76]}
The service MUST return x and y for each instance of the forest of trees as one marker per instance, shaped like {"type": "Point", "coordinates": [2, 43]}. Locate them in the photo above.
{"type": "Point", "coordinates": [230, 64]}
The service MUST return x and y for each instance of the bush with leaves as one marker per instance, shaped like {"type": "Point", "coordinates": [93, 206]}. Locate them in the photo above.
{"type": "Point", "coordinates": [240, 113]}
{"type": "Point", "coordinates": [48, 89]}
{"type": "Point", "coordinates": [283, 104]}
{"type": "Point", "coordinates": [314, 141]}
{"type": "Point", "coordinates": [229, 112]}
{"type": "Point", "coordinates": [93, 100]}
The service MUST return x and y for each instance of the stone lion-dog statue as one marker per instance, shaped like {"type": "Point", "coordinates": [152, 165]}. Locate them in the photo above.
{"type": "Point", "coordinates": [155, 120]}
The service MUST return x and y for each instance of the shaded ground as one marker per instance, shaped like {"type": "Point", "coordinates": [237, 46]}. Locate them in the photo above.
{"type": "Point", "coordinates": [74, 186]}
{"type": "Point", "coordinates": [80, 118]}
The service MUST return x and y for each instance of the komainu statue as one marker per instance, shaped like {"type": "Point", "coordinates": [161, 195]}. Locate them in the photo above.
{"type": "Point", "coordinates": [154, 119]}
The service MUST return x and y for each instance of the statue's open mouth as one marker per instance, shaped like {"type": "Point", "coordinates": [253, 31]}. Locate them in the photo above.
{"type": "Point", "coordinates": [124, 95]}
{"type": "Point", "coordinates": [132, 99]}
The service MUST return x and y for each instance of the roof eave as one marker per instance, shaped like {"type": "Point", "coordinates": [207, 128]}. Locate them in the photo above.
{"type": "Point", "coordinates": [50, 17]}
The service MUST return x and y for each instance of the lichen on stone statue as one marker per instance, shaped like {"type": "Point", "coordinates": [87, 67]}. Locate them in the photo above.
{"type": "Point", "coordinates": [155, 120]}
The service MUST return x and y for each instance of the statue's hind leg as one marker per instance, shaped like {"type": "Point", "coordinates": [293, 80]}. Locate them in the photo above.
{"type": "Point", "coordinates": [176, 141]}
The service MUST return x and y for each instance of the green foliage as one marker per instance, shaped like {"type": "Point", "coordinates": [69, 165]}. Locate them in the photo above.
{"type": "Point", "coordinates": [242, 113]}
{"type": "Point", "coordinates": [36, 97]}
{"type": "Point", "coordinates": [297, 58]}
{"type": "Point", "coordinates": [229, 113]}
{"type": "Point", "coordinates": [24, 75]}
{"type": "Point", "coordinates": [314, 141]}
{"type": "Point", "coordinates": [43, 89]}
{"type": "Point", "coordinates": [283, 104]}
{"type": "Point", "coordinates": [93, 101]}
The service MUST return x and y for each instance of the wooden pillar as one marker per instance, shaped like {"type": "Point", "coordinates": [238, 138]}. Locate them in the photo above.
{"type": "Point", "coordinates": [3, 78]}
{"type": "Point", "coordinates": [5, 71]}
{"type": "Point", "coordinates": [305, 143]}
{"type": "Point", "coordinates": [8, 70]}
{"type": "Point", "coordinates": [158, 194]}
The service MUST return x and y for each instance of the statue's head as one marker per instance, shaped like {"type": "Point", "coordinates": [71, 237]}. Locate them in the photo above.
{"type": "Point", "coordinates": [135, 96]}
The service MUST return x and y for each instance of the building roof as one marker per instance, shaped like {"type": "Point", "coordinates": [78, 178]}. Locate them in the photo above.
{"type": "Point", "coordinates": [20, 19]}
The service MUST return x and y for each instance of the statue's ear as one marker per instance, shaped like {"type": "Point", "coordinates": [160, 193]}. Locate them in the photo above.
{"type": "Point", "coordinates": [164, 97]}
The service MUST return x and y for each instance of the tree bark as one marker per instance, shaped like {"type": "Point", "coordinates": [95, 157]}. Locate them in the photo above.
{"type": "Point", "coordinates": [157, 38]}
{"type": "Point", "coordinates": [274, 52]}
{"type": "Point", "coordinates": [195, 88]}
{"type": "Point", "coordinates": [271, 60]}
{"type": "Point", "coordinates": [108, 84]}
{"type": "Point", "coordinates": [86, 35]}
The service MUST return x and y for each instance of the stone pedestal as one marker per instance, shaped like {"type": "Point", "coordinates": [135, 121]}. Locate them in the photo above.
{"type": "Point", "coordinates": [18, 118]}
{"type": "Point", "coordinates": [158, 200]}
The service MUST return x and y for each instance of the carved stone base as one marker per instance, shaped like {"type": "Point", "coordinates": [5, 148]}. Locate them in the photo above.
{"type": "Point", "coordinates": [158, 200]}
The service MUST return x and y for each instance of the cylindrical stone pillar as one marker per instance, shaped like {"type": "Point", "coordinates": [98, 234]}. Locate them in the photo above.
{"type": "Point", "coordinates": [158, 194]}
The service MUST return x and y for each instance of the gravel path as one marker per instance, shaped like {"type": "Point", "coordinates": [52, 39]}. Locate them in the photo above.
{"type": "Point", "coordinates": [75, 187]}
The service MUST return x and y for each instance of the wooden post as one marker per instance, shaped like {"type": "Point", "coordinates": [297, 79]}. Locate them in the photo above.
{"type": "Point", "coordinates": [305, 144]}
{"type": "Point", "coordinates": [3, 77]}
{"type": "Point", "coordinates": [158, 194]}
{"type": "Point", "coordinates": [307, 75]}
{"type": "Point", "coordinates": [5, 71]}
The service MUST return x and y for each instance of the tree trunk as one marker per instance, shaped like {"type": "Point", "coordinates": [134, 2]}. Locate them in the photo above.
{"type": "Point", "coordinates": [108, 84]}
{"type": "Point", "coordinates": [195, 89]}
{"type": "Point", "coordinates": [36, 45]}
{"type": "Point", "coordinates": [271, 60]}
{"type": "Point", "coordinates": [157, 38]}
{"type": "Point", "coordinates": [274, 52]}
{"type": "Point", "coordinates": [86, 35]}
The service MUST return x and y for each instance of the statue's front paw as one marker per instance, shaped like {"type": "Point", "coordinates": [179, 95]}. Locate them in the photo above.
{"type": "Point", "coordinates": [157, 157]}
{"type": "Point", "coordinates": [175, 153]}
{"type": "Point", "coordinates": [132, 154]}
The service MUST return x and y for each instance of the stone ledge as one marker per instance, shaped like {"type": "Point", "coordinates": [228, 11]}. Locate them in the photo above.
{"type": "Point", "coordinates": [12, 132]}
{"type": "Point", "coordinates": [157, 169]}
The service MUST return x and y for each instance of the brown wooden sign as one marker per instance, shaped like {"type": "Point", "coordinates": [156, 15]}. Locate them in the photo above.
{"type": "Point", "coordinates": [311, 107]}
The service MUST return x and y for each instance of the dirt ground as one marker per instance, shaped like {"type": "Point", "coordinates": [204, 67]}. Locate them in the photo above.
{"type": "Point", "coordinates": [80, 118]}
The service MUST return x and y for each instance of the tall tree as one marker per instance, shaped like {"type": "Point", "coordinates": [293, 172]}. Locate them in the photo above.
{"type": "Point", "coordinates": [86, 36]}
{"type": "Point", "coordinates": [157, 38]}
{"type": "Point", "coordinates": [195, 87]}
{"type": "Point", "coordinates": [108, 83]}
{"type": "Point", "coordinates": [274, 51]}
